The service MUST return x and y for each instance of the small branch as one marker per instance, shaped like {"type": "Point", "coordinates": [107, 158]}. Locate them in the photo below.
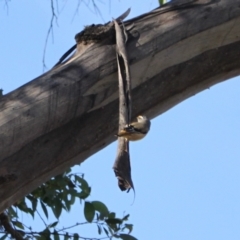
{"type": "Point", "coordinates": [75, 225]}
{"type": "Point", "coordinates": [6, 5]}
{"type": "Point", "coordinates": [70, 235]}
{"type": "Point", "coordinates": [50, 30]}
{"type": "Point", "coordinates": [4, 221]}
{"type": "Point", "coordinates": [77, 9]}
{"type": "Point", "coordinates": [41, 218]}
{"type": "Point", "coordinates": [97, 11]}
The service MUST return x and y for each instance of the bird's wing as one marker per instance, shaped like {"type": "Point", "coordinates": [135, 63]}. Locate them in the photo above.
{"type": "Point", "coordinates": [133, 129]}
{"type": "Point", "coordinates": [129, 129]}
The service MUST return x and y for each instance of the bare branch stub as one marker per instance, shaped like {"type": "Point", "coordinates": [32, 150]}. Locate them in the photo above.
{"type": "Point", "coordinates": [50, 30]}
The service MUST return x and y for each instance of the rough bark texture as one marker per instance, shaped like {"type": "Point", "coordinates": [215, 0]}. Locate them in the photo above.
{"type": "Point", "coordinates": [69, 113]}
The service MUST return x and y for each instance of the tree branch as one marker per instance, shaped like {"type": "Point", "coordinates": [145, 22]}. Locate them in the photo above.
{"type": "Point", "coordinates": [4, 221]}
{"type": "Point", "coordinates": [59, 119]}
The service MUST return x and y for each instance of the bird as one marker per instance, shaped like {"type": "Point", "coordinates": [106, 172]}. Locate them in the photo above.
{"type": "Point", "coordinates": [136, 130]}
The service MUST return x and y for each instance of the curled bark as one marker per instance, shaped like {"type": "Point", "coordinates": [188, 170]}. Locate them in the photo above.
{"type": "Point", "coordinates": [122, 164]}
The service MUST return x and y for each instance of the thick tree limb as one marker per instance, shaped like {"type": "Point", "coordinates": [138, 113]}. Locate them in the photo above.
{"type": "Point", "coordinates": [59, 118]}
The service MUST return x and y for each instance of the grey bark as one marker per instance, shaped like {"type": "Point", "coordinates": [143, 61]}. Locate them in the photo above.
{"type": "Point", "coordinates": [67, 114]}
{"type": "Point", "coordinates": [122, 164]}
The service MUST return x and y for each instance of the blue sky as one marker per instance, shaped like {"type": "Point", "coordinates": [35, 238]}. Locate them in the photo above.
{"type": "Point", "coordinates": [186, 171]}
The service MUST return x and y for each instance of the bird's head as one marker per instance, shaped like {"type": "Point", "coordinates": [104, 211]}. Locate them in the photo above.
{"type": "Point", "coordinates": [141, 118]}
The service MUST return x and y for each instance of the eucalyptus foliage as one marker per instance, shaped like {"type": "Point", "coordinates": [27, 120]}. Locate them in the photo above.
{"type": "Point", "coordinates": [56, 196]}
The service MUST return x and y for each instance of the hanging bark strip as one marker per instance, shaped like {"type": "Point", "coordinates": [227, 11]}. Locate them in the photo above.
{"type": "Point", "coordinates": [122, 166]}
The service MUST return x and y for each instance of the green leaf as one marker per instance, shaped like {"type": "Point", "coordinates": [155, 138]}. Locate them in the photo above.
{"type": "Point", "coordinates": [18, 224]}
{"type": "Point", "coordinates": [68, 171]}
{"type": "Point", "coordinates": [67, 205]}
{"type": "Point", "coordinates": [12, 212]}
{"type": "Point", "coordinates": [66, 201]}
{"type": "Point", "coordinates": [161, 2]}
{"type": "Point", "coordinates": [59, 177]}
{"type": "Point", "coordinates": [116, 236]}
{"type": "Point", "coordinates": [89, 211]}
{"type": "Point", "coordinates": [70, 184]}
{"type": "Point", "coordinates": [125, 218]}
{"type": "Point", "coordinates": [106, 231]}
{"type": "Point", "coordinates": [126, 237]}
{"type": "Point", "coordinates": [45, 234]}
{"type": "Point", "coordinates": [99, 230]}
{"type": "Point", "coordinates": [129, 227]}
{"type": "Point", "coordinates": [66, 237]}
{"type": "Point", "coordinates": [31, 212]}
{"type": "Point", "coordinates": [53, 224]}
{"type": "Point", "coordinates": [69, 197]}
{"type": "Point", "coordinates": [55, 235]}
{"type": "Point", "coordinates": [23, 207]}
{"type": "Point", "coordinates": [75, 236]}
{"type": "Point", "coordinates": [83, 194]}
{"type": "Point", "coordinates": [34, 204]}
{"type": "Point", "coordinates": [72, 200]}
{"type": "Point", "coordinates": [4, 237]}
{"type": "Point", "coordinates": [111, 228]}
{"type": "Point", "coordinates": [57, 209]}
{"type": "Point", "coordinates": [113, 221]}
{"type": "Point", "coordinates": [112, 215]}
{"type": "Point", "coordinates": [83, 183]}
{"type": "Point", "coordinates": [44, 209]}
{"type": "Point", "coordinates": [86, 190]}
{"type": "Point", "coordinates": [101, 208]}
